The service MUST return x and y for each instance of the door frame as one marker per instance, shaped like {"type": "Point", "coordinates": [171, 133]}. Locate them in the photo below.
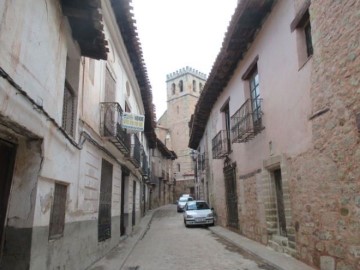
{"type": "Point", "coordinates": [7, 163]}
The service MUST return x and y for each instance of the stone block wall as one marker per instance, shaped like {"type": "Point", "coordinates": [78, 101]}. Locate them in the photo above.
{"type": "Point", "coordinates": [326, 204]}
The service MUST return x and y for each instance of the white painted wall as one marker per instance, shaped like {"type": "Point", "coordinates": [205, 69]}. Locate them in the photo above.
{"type": "Point", "coordinates": [284, 90]}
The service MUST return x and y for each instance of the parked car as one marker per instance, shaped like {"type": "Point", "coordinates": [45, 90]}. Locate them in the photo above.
{"type": "Point", "coordinates": [181, 203]}
{"type": "Point", "coordinates": [198, 212]}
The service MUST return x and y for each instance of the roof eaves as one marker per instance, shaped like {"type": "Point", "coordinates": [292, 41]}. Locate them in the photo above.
{"type": "Point", "coordinates": [247, 19]}
{"type": "Point", "coordinates": [124, 17]}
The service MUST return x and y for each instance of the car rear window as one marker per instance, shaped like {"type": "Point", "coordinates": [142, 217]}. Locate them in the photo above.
{"type": "Point", "coordinates": [202, 205]}
{"type": "Point", "coordinates": [197, 206]}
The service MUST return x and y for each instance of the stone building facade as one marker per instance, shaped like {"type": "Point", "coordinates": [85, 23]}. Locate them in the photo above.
{"type": "Point", "coordinates": [73, 180]}
{"type": "Point", "coordinates": [183, 89]}
{"type": "Point", "coordinates": [162, 184]}
{"type": "Point", "coordinates": [279, 122]}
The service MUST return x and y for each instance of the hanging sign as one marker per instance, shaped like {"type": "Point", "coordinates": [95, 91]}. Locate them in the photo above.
{"type": "Point", "coordinates": [133, 123]}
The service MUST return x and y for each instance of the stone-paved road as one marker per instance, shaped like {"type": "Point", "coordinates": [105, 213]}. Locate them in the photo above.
{"type": "Point", "coordinates": [169, 245]}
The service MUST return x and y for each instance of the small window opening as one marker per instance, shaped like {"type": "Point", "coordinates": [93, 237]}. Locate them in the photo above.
{"type": "Point", "coordinates": [181, 86]}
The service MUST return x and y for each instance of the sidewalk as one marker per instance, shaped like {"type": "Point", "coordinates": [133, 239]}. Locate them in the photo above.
{"type": "Point", "coordinates": [276, 259]}
{"type": "Point", "coordinates": [116, 258]}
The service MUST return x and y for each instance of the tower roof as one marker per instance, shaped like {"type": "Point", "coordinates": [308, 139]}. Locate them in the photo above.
{"type": "Point", "coordinates": [186, 70]}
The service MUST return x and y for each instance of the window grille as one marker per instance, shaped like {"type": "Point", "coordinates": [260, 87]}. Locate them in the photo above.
{"type": "Point", "coordinates": [68, 116]}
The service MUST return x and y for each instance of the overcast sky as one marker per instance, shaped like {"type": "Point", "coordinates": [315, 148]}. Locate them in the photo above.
{"type": "Point", "coordinates": [179, 33]}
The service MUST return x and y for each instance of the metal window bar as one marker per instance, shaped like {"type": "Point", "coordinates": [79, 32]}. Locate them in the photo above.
{"type": "Point", "coordinates": [68, 114]}
{"type": "Point", "coordinates": [220, 145]}
{"type": "Point", "coordinates": [247, 121]}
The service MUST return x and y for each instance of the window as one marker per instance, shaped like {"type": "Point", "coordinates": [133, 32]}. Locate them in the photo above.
{"type": "Point", "coordinates": [173, 88]}
{"type": "Point", "coordinates": [225, 110]}
{"type": "Point", "coordinates": [178, 167]}
{"type": "Point", "coordinates": [302, 26]}
{"type": "Point", "coordinates": [68, 115]}
{"type": "Point", "coordinates": [194, 85]}
{"type": "Point", "coordinates": [200, 87]}
{"type": "Point", "coordinates": [71, 85]}
{"type": "Point", "coordinates": [57, 215]}
{"type": "Point", "coordinates": [104, 220]}
{"type": "Point", "coordinates": [110, 87]}
{"type": "Point", "coordinates": [255, 96]}
{"type": "Point", "coordinates": [181, 86]}
{"type": "Point", "coordinates": [308, 39]}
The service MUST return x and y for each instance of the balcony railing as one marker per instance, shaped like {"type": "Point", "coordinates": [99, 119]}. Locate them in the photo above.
{"type": "Point", "coordinates": [220, 144]}
{"type": "Point", "coordinates": [110, 126]}
{"type": "Point", "coordinates": [135, 151]}
{"type": "Point", "coordinates": [246, 122]}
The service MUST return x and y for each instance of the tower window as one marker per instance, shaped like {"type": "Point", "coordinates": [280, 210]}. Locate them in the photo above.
{"type": "Point", "coordinates": [200, 87]}
{"type": "Point", "coordinates": [194, 85]}
{"type": "Point", "coordinates": [181, 86]}
{"type": "Point", "coordinates": [173, 87]}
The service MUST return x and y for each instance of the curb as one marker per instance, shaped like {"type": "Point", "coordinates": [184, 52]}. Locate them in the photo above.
{"type": "Point", "coordinates": [141, 234]}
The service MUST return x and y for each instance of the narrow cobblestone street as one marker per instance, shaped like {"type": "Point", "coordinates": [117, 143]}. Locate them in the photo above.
{"type": "Point", "coordinates": [169, 245]}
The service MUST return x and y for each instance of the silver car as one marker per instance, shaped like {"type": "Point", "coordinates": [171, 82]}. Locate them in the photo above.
{"type": "Point", "coordinates": [182, 201]}
{"type": "Point", "coordinates": [198, 213]}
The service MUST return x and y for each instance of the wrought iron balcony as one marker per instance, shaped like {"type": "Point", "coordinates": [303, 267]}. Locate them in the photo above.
{"type": "Point", "coordinates": [110, 126]}
{"type": "Point", "coordinates": [246, 122]}
{"type": "Point", "coordinates": [220, 144]}
{"type": "Point", "coordinates": [135, 151]}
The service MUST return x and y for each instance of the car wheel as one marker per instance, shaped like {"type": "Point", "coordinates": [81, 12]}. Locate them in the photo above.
{"type": "Point", "coordinates": [185, 224]}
